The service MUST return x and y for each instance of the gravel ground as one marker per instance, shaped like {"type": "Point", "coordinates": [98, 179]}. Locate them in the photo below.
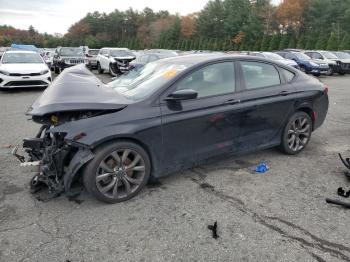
{"type": "Point", "coordinates": [277, 216]}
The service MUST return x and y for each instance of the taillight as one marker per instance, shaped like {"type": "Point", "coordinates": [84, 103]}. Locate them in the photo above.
{"type": "Point", "coordinates": [326, 87]}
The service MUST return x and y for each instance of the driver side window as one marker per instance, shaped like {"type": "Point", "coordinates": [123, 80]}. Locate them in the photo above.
{"type": "Point", "coordinates": [216, 79]}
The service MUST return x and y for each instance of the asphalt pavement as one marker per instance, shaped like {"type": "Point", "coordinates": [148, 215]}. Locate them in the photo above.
{"type": "Point", "coordinates": [277, 216]}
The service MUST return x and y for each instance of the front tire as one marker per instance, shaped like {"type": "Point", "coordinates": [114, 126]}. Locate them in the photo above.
{"type": "Point", "coordinates": [297, 133]}
{"type": "Point", "coordinates": [118, 172]}
{"type": "Point", "coordinates": [112, 71]}
{"type": "Point", "coordinates": [330, 71]}
{"type": "Point", "coordinates": [99, 68]}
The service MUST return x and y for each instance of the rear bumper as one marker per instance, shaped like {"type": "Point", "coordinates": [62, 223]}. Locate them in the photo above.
{"type": "Point", "coordinates": [318, 70]}
{"type": "Point", "coordinates": [320, 108]}
{"type": "Point", "coordinates": [10, 82]}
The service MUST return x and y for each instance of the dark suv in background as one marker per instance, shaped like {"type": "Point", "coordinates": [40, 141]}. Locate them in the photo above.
{"type": "Point", "coordinates": [66, 57]}
{"type": "Point", "coordinates": [306, 64]}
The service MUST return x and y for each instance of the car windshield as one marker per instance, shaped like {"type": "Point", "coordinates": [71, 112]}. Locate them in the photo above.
{"type": "Point", "coordinates": [342, 55]}
{"type": "Point", "coordinates": [302, 56]}
{"type": "Point", "coordinates": [21, 58]}
{"type": "Point", "coordinates": [329, 55]}
{"type": "Point", "coordinates": [139, 84]}
{"type": "Point", "coordinates": [71, 51]}
{"type": "Point", "coordinates": [273, 56]}
{"type": "Point", "coordinates": [121, 53]}
{"type": "Point", "coordinates": [93, 52]}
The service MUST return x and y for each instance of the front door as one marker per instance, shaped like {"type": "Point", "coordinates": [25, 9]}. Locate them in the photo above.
{"type": "Point", "coordinates": [208, 125]}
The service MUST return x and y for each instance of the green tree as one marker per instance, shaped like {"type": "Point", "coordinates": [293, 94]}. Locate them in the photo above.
{"type": "Point", "coordinates": [301, 43]}
{"type": "Point", "coordinates": [274, 44]}
{"type": "Point", "coordinates": [345, 43]}
{"type": "Point", "coordinates": [292, 43]}
{"type": "Point", "coordinates": [284, 41]}
{"type": "Point", "coordinates": [332, 42]}
{"type": "Point", "coordinates": [322, 42]}
{"type": "Point", "coordinates": [210, 22]}
{"type": "Point", "coordinates": [265, 43]}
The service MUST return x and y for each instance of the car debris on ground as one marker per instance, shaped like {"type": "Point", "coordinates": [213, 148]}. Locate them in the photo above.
{"type": "Point", "coordinates": [213, 228]}
{"type": "Point", "coordinates": [341, 192]}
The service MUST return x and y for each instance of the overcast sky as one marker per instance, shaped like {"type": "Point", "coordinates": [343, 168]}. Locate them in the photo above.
{"type": "Point", "coordinates": [55, 16]}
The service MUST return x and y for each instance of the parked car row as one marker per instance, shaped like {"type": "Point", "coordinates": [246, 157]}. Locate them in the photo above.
{"type": "Point", "coordinates": [117, 61]}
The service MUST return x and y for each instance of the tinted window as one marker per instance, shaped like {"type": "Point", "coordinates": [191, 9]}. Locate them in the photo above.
{"type": "Point", "coordinates": [211, 80]}
{"type": "Point", "coordinates": [288, 75]}
{"type": "Point", "coordinates": [316, 56]}
{"type": "Point", "coordinates": [71, 51]}
{"type": "Point", "coordinates": [259, 75]}
{"type": "Point", "coordinates": [121, 53]}
{"type": "Point", "coordinates": [93, 52]}
{"type": "Point", "coordinates": [22, 58]}
{"type": "Point", "coordinates": [290, 56]}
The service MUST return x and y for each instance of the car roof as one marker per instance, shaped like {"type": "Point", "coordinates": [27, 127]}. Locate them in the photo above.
{"type": "Point", "coordinates": [194, 59]}
{"type": "Point", "coordinates": [116, 48]}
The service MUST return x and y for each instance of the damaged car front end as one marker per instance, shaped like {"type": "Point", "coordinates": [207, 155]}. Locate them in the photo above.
{"type": "Point", "coordinates": [54, 153]}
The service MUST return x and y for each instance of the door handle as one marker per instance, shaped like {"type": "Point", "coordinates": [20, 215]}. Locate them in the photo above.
{"type": "Point", "coordinates": [283, 93]}
{"type": "Point", "coordinates": [232, 102]}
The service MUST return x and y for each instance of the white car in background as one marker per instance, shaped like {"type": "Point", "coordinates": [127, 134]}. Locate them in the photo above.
{"type": "Point", "coordinates": [116, 61]}
{"type": "Point", "coordinates": [276, 57]}
{"type": "Point", "coordinates": [23, 69]}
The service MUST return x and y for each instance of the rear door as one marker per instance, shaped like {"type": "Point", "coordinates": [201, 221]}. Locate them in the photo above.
{"type": "Point", "coordinates": [267, 100]}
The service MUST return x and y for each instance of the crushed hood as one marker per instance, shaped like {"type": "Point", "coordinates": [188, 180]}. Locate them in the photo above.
{"type": "Point", "coordinates": [75, 89]}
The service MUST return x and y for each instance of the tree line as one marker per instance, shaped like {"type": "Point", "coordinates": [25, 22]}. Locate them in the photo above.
{"type": "Point", "coordinates": [220, 25]}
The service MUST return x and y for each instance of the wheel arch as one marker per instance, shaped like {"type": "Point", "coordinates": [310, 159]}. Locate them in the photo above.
{"type": "Point", "coordinates": [133, 140]}
{"type": "Point", "coordinates": [308, 110]}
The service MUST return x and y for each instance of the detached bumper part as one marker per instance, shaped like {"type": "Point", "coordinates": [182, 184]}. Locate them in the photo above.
{"type": "Point", "coordinates": [345, 161]}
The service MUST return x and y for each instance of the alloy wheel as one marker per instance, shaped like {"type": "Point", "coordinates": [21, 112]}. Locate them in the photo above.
{"type": "Point", "coordinates": [120, 174]}
{"type": "Point", "coordinates": [112, 70]}
{"type": "Point", "coordinates": [299, 133]}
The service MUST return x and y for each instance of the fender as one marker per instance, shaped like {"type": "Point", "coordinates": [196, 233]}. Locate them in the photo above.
{"type": "Point", "coordinates": [83, 156]}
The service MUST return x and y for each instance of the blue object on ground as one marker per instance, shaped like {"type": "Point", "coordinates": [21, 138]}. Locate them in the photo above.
{"type": "Point", "coordinates": [262, 168]}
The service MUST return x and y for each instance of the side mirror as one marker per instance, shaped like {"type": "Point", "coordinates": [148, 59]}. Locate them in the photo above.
{"type": "Point", "coordinates": [107, 55]}
{"type": "Point", "coordinates": [184, 94]}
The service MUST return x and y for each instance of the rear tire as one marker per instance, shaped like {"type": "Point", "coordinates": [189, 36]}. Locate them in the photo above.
{"type": "Point", "coordinates": [118, 172]}
{"type": "Point", "coordinates": [296, 134]}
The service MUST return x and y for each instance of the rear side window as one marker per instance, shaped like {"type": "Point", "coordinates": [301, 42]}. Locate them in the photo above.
{"type": "Point", "coordinates": [288, 75]}
{"type": "Point", "coordinates": [259, 75]}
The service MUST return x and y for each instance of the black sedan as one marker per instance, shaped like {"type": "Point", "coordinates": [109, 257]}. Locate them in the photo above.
{"type": "Point", "coordinates": [172, 114]}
